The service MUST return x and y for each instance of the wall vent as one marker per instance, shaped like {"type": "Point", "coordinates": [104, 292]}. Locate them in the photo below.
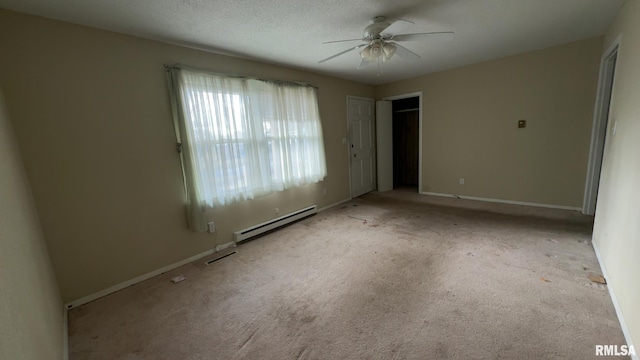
{"type": "Point", "coordinates": [209, 262]}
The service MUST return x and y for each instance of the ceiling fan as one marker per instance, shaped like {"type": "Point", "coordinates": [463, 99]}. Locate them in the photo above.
{"type": "Point", "coordinates": [381, 41]}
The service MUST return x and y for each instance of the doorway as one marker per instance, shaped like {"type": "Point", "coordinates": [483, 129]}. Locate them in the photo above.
{"type": "Point", "coordinates": [600, 126]}
{"type": "Point", "coordinates": [406, 125]}
{"type": "Point", "coordinates": [399, 142]}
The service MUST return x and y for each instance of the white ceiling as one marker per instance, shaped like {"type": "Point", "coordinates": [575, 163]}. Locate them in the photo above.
{"type": "Point", "coordinates": [291, 32]}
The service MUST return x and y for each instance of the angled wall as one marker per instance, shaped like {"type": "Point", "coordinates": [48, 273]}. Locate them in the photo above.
{"type": "Point", "coordinates": [31, 312]}
{"type": "Point", "coordinates": [616, 231]}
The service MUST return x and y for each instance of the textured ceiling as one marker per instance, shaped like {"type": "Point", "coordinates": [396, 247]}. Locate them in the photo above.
{"type": "Point", "coordinates": [291, 32]}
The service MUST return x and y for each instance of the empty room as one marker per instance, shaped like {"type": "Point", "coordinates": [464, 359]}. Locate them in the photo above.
{"type": "Point", "coordinates": [319, 180]}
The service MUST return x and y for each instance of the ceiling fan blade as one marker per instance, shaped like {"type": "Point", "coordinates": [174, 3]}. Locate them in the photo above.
{"type": "Point", "coordinates": [362, 64]}
{"type": "Point", "coordinates": [397, 27]}
{"type": "Point", "coordinates": [405, 53]}
{"type": "Point", "coordinates": [441, 35]}
{"type": "Point", "coordinates": [340, 53]}
{"type": "Point", "coordinates": [338, 41]}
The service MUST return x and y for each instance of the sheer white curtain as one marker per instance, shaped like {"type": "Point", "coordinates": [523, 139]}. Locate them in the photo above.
{"type": "Point", "coordinates": [243, 138]}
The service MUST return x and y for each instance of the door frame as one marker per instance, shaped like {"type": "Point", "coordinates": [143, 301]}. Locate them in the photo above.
{"type": "Point", "coordinates": [373, 144]}
{"type": "Point", "coordinates": [417, 94]}
{"type": "Point", "coordinates": [606, 79]}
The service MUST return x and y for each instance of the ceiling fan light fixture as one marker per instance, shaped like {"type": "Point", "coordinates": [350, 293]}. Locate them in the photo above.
{"type": "Point", "coordinates": [372, 51]}
{"type": "Point", "coordinates": [376, 50]}
{"type": "Point", "coordinates": [366, 53]}
{"type": "Point", "coordinates": [388, 50]}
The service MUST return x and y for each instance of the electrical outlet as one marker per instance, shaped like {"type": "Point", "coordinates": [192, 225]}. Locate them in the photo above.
{"type": "Point", "coordinates": [211, 226]}
{"type": "Point", "coordinates": [461, 181]}
{"type": "Point", "coordinates": [276, 211]}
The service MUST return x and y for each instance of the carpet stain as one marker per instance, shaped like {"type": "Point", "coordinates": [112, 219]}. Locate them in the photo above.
{"type": "Point", "coordinates": [205, 299]}
{"type": "Point", "coordinates": [442, 351]}
{"type": "Point", "coordinates": [246, 341]}
{"type": "Point", "coordinates": [305, 353]}
{"type": "Point", "coordinates": [309, 319]}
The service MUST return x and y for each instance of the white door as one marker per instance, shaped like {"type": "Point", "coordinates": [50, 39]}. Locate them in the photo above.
{"type": "Point", "coordinates": [384, 146]}
{"type": "Point", "coordinates": [360, 115]}
{"type": "Point", "coordinates": [599, 132]}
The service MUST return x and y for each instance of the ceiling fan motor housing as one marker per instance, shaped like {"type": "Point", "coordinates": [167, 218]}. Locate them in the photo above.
{"type": "Point", "coordinates": [373, 30]}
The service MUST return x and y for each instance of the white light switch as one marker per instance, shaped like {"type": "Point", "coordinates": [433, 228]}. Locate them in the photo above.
{"type": "Point", "coordinates": [211, 226]}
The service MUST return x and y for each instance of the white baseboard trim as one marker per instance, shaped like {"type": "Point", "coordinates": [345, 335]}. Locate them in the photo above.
{"type": "Point", "coordinates": [65, 334]}
{"type": "Point", "coordinates": [614, 299]}
{"type": "Point", "coordinates": [511, 202]}
{"type": "Point", "coordinates": [135, 280]}
{"type": "Point", "coordinates": [225, 246]}
{"type": "Point", "coordinates": [333, 205]}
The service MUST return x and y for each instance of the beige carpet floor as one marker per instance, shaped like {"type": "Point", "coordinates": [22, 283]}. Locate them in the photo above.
{"type": "Point", "coordinates": [386, 276]}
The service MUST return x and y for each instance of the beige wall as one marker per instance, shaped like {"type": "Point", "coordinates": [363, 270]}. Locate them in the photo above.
{"type": "Point", "coordinates": [30, 306]}
{"type": "Point", "coordinates": [470, 129]}
{"type": "Point", "coordinates": [91, 114]}
{"type": "Point", "coordinates": [617, 230]}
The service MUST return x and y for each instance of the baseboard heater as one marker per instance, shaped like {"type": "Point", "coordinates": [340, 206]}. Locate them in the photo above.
{"type": "Point", "coordinates": [259, 229]}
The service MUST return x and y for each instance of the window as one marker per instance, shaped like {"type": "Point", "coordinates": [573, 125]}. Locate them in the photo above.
{"type": "Point", "coordinates": [243, 138]}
